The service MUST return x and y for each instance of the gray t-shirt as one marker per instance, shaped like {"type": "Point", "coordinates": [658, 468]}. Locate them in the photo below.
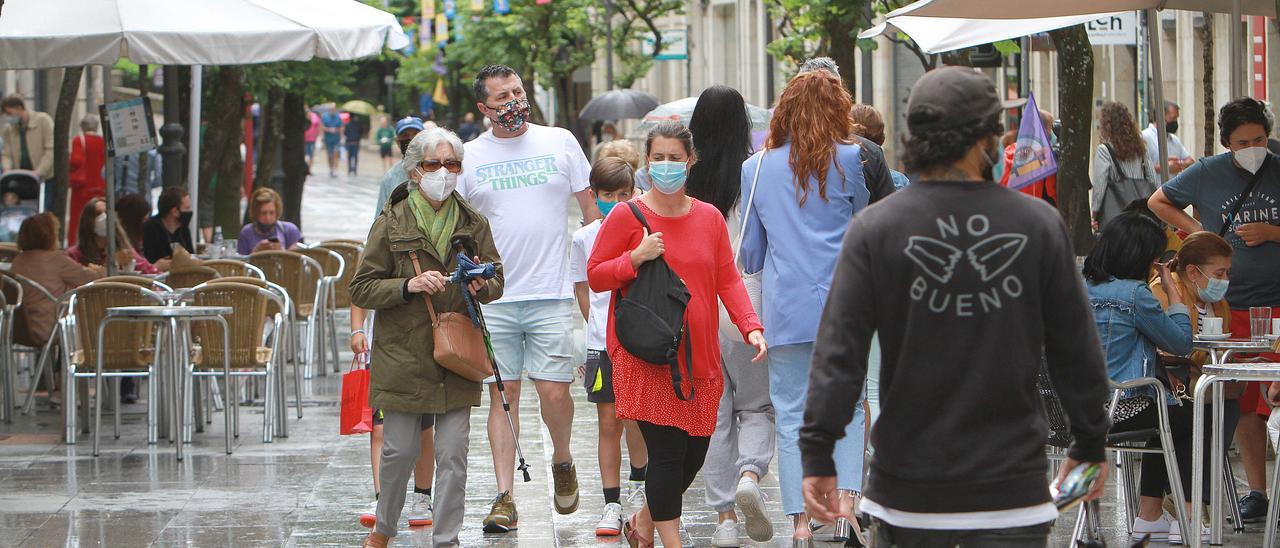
{"type": "Point", "coordinates": [1214, 185]}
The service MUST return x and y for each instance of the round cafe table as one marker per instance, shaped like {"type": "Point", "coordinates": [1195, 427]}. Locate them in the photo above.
{"type": "Point", "coordinates": [169, 321]}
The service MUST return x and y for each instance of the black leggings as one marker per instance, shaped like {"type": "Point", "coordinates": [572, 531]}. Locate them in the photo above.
{"type": "Point", "coordinates": [1155, 480]}
{"type": "Point", "coordinates": [675, 458]}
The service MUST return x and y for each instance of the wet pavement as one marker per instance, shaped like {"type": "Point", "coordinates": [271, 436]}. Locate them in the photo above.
{"type": "Point", "coordinates": [306, 490]}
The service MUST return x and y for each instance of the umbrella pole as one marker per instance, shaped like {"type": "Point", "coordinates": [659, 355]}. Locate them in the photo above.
{"type": "Point", "coordinates": [111, 183]}
{"type": "Point", "coordinates": [1237, 83]}
{"type": "Point", "coordinates": [193, 153]}
{"type": "Point", "coordinates": [1157, 92]}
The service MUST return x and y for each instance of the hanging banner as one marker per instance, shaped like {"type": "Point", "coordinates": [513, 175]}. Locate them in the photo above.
{"type": "Point", "coordinates": [1032, 154]}
{"type": "Point", "coordinates": [541, 2]}
{"type": "Point", "coordinates": [477, 6]}
{"type": "Point", "coordinates": [428, 9]}
{"type": "Point", "coordinates": [442, 28]}
{"type": "Point", "coordinates": [440, 97]}
{"type": "Point", "coordinates": [424, 31]}
{"type": "Point", "coordinates": [450, 8]}
{"type": "Point", "coordinates": [501, 7]}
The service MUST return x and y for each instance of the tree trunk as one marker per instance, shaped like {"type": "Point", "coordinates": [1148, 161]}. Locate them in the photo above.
{"type": "Point", "coordinates": [1075, 109]}
{"type": "Point", "coordinates": [293, 150]}
{"type": "Point", "coordinates": [843, 50]}
{"type": "Point", "coordinates": [1208, 83]}
{"type": "Point", "coordinates": [62, 139]}
{"type": "Point", "coordinates": [221, 168]}
{"type": "Point", "coordinates": [268, 153]}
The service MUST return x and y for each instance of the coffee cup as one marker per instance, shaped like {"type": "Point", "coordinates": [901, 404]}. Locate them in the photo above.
{"type": "Point", "coordinates": [1210, 326]}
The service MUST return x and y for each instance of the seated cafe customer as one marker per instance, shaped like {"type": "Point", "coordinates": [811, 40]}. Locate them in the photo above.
{"type": "Point", "coordinates": [91, 246]}
{"type": "Point", "coordinates": [1133, 326]}
{"type": "Point", "coordinates": [169, 226]}
{"type": "Point", "coordinates": [41, 260]}
{"type": "Point", "coordinates": [266, 231]}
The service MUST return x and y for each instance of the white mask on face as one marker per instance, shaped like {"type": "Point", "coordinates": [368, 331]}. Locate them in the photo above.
{"type": "Point", "coordinates": [438, 184]}
{"type": "Point", "coordinates": [1251, 158]}
{"type": "Point", "coordinates": [100, 225]}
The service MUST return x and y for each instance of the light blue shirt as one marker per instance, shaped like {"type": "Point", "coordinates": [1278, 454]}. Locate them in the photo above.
{"type": "Point", "coordinates": [390, 181]}
{"type": "Point", "coordinates": [797, 245]}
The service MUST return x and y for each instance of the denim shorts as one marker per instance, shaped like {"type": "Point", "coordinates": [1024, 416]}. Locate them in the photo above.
{"type": "Point", "coordinates": [534, 337]}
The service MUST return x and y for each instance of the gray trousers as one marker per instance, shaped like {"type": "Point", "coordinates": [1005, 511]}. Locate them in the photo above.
{"type": "Point", "coordinates": [401, 443]}
{"type": "Point", "coordinates": [744, 437]}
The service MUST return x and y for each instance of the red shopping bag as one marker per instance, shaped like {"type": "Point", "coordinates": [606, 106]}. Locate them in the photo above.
{"type": "Point", "coordinates": [356, 416]}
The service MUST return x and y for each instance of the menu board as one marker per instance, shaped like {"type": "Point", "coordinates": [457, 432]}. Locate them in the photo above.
{"type": "Point", "coordinates": [128, 126]}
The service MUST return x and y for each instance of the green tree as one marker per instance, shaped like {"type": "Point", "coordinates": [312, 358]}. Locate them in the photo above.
{"type": "Point", "coordinates": [635, 21]}
{"type": "Point", "coordinates": [821, 28]}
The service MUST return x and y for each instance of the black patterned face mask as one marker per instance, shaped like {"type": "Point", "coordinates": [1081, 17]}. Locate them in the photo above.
{"type": "Point", "coordinates": [513, 114]}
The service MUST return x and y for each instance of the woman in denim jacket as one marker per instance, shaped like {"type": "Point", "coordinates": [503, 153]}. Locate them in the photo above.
{"type": "Point", "coordinates": [1133, 325]}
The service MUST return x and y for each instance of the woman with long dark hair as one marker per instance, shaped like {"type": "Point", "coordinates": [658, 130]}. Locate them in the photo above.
{"type": "Point", "coordinates": [742, 446]}
{"type": "Point", "coordinates": [807, 185]}
{"type": "Point", "coordinates": [1121, 173]}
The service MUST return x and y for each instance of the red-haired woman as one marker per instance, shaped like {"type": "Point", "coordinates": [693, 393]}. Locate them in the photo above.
{"type": "Point", "coordinates": [795, 209]}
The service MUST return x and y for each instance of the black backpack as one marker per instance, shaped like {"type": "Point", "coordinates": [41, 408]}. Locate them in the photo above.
{"type": "Point", "coordinates": [649, 318]}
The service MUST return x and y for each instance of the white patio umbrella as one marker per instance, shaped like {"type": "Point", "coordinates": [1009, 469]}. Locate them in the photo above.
{"type": "Point", "coordinates": [38, 34]}
{"type": "Point", "coordinates": [939, 34]}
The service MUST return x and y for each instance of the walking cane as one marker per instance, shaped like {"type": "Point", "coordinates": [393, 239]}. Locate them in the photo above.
{"type": "Point", "coordinates": [462, 276]}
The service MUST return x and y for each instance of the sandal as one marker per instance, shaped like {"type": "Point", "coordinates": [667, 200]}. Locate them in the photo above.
{"type": "Point", "coordinates": [633, 535]}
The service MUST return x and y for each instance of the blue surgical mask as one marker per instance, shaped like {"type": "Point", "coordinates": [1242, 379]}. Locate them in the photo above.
{"type": "Point", "coordinates": [1214, 290]}
{"type": "Point", "coordinates": [668, 177]}
{"type": "Point", "coordinates": [605, 207]}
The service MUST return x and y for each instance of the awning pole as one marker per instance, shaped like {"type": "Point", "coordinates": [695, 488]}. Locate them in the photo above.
{"type": "Point", "coordinates": [1157, 92]}
{"type": "Point", "coordinates": [193, 152]}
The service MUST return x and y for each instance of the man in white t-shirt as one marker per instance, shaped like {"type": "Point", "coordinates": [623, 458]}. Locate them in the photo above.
{"type": "Point", "coordinates": [520, 176]}
{"type": "Point", "coordinates": [1179, 158]}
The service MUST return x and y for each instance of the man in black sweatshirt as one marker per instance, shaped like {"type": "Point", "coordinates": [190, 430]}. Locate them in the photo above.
{"type": "Point", "coordinates": [967, 285]}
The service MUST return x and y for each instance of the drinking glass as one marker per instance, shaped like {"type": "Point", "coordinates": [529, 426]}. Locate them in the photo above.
{"type": "Point", "coordinates": [1259, 322]}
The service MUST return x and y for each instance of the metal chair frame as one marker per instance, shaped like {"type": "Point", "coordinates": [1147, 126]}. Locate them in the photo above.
{"type": "Point", "coordinates": [327, 296]}
{"type": "Point", "coordinates": [311, 336]}
{"type": "Point", "coordinates": [250, 269]}
{"type": "Point", "coordinates": [290, 342]}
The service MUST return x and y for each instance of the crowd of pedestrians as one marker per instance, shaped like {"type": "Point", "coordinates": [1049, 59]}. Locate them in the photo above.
{"type": "Point", "coordinates": [876, 291]}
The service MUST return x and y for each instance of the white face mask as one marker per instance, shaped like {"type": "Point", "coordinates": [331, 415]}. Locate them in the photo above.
{"type": "Point", "coordinates": [100, 225]}
{"type": "Point", "coordinates": [438, 184]}
{"type": "Point", "coordinates": [1251, 158]}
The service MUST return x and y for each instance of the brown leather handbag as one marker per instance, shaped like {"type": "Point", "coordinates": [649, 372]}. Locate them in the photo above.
{"type": "Point", "coordinates": [459, 344]}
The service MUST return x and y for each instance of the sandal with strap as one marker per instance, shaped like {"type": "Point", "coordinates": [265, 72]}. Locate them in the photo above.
{"type": "Point", "coordinates": [633, 535]}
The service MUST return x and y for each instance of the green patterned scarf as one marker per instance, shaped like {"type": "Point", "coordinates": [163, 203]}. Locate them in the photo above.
{"type": "Point", "coordinates": [436, 225]}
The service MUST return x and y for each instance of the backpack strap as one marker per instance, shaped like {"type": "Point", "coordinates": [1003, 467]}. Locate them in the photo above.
{"type": "Point", "coordinates": [673, 360]}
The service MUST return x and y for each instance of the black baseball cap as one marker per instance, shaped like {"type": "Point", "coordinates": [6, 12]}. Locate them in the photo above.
{"type": "Point", "coordinates": [951, 97]}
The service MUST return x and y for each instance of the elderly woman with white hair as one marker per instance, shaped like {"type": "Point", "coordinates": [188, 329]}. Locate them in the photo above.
{"type": "Point", "coordinates": [408, 258]}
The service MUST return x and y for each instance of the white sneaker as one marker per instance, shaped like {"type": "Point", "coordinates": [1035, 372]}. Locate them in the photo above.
{"type": "Point", "coordinates": [420, 510]}
{"type": "Point", "coordinates": [1158, 528]}
{"type": "Point", "coordinates": [369, 516]}
{"type": "Point", "coordinates": [635, 494]}
{"type": "Point", "coordinates": [610, 524]}
{"type": "Point", "coordinates": [1175, 532]}
{"type": "Point", "coordinates": [750, 502]}
{"type": "Point", "coordinates": [726, 535]}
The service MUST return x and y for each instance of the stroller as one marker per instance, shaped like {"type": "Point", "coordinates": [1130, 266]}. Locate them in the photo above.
{"type": "Point", "coordinates": [21, 196]}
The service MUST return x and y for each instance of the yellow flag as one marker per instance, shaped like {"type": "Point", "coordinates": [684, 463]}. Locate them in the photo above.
{"type": "Point", "coordinates": [440, 97]}
{"type": "Point", "coordinates": [477, 6]}
{"type": "Point", "coordinates": [428, 9]}
{"type": "Point", "coordinates": [442, 28]}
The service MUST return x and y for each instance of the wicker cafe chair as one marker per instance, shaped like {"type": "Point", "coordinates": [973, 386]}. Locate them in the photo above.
{"type": "Point", "coordinates": [303, 278]}
{"type": "Point", "coordinates": [25, 290]}
{"type": "Point", "coordinates": [8, 250]}
{"type": "Point", "coordinates": [335, 268]}
{"type": "Point", "coordinates": [130, 350]}
{"type": "Point", "coordinates": [351, 255]}
{"type": "Point", "coordinates": [249, 356]}
{"type": "Point", "coordinates": [283, 306]}
{"type": "Point", "coordinates": [189, 277]}
{"type": "Point", "coordinates": [140, 281]}
{"type": "Point", "coordinates": [350, 241]}
{"type": "Point", "coordinates": [232, 267]}
{"type": "Point", "coordinates": [1126, 446]}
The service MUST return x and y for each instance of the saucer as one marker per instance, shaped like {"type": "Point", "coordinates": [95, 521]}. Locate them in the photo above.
{"type": "Point", "coordinates": [1219, 337]}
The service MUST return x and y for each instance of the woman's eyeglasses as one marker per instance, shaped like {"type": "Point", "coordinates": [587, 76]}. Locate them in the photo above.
{"type": "Point", "coordinates": [453, 166]}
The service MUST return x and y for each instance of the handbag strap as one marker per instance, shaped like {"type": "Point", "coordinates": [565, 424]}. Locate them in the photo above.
{"type": "Point", "coordinates": [635, 210]}
{"type": "Point", "coordinates": [417, 270]}
{"type": "Point", "coordinates": [746, 213]}
{"type": "Point", "coordinates": [1244, 196]}
{"type": "Point", "coordinates": [673, 361]}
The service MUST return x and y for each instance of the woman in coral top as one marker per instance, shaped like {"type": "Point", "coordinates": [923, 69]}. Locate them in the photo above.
{"type": "Point", "coordinates": [88, 155]}
{"type": "Point", "coordinates": [692, 237]}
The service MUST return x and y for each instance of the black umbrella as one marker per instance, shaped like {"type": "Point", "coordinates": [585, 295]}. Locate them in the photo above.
{"type": "Point", "coordinates": [619, 104]}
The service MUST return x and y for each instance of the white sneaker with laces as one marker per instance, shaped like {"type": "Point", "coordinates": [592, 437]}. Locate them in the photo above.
{"type": "Point", "coordinates": [726, 535]}
{"type": "Point", "coordinates": [1158, 529]}
{"type": "Point", "coordinates": [420, 510]}
{"type": "Point", "coordinates": [369, 515]}
{"type": "Point", "coordinates": [610, 524]}
{"type": "Point", "coordinates": [635, 494]}
{"type": "Point", "coordinates": [750, 501]}
{"type": "Point", "coordinates": [1175, 532]}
